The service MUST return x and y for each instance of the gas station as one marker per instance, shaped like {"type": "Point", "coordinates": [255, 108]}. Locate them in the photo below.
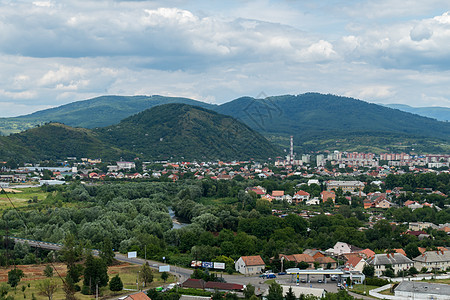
{"type": "Point", "coordinates": [341, 275]}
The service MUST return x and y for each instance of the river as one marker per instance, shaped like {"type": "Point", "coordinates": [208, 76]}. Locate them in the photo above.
{"type": "Point", "coordinates": [176, 224]}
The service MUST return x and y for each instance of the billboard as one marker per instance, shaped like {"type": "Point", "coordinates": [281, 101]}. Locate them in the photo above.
{"type": "Point", "coordinates": [207, 265]}
{"type": "Point", "coordinates": [219, 265]}
{"type": "Point", "coordinates": [164, 269]}
{"type": "Point", "coordinates": [132, 254]}
{"type": "Point", "coordinates": [196, 263]}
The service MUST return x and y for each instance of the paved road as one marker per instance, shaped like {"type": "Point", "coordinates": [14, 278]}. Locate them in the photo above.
{"type": "Point", "coordinates": [183, 273]}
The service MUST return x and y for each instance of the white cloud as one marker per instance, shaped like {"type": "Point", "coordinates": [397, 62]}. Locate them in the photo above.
{"type": "Point", "coordinates": [53, 52]}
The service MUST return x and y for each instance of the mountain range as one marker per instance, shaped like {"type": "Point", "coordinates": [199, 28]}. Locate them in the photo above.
{"type": "Point", "coordinates": [435, 112]}
{"type": "Point", "coordinates": [175, 130]}
{"type": "Point", "coordinates": [316, 121]}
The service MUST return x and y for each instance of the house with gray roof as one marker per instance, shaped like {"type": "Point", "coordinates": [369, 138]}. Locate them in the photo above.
{"type": "Point", "coordinates": [422, 290]}
{"type": "Point", "coordinates": [397, 261]}
{"type": "Point", "coordinates": [433, 260]}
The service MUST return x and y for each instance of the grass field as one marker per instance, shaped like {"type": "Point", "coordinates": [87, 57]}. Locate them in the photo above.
{"type": "Point", "coordinates": [21, 197]}
{"type": "Point", "coordinates": [360, 288]}
{"type": "Point", "coordinates": [444, 281]}
{"type": "Point", "coordinates": [34, 275]}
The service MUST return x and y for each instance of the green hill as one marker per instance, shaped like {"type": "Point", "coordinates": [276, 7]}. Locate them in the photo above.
{"type": "Point", "coordinates": [189, 132]}
{"type": "Point", "coordinates": [317, 121]}
{"type": "Point", "coordinates": [320, 122]}
{"type": "Point", "coordinates": [55, 141]}
{"type": "Point", "coordinates": [92, 113]}
{"type": "Point", "coordinates": [171, 130]}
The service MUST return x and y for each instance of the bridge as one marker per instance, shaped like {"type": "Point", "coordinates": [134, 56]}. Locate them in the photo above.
{"type": "Point", "coordinates": [181, 273]}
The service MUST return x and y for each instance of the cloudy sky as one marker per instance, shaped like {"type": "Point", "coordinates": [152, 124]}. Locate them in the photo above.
{"type": "Point", "coordinates": [382, 51]}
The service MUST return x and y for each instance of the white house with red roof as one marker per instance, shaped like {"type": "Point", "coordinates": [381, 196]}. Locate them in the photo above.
{"type": "Point", "coordinates": [300, 196]}
{"type": "Point", "coordinates": [250, 265]}
{"type": "Point", "coordinates": [354, 262]}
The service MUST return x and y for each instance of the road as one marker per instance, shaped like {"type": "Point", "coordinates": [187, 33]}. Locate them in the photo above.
{"type": "Point", "coordinates": [183, 273]}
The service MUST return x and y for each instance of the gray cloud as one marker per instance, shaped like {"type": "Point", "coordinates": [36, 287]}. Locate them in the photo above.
{"type": "Point", "coordinates": [53, 53]}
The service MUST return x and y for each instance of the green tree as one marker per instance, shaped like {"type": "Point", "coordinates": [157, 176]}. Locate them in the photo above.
{"type": "Point", "coordinates": [48, 271]}
{"type": "Point", "coordinates": [290, 294]}
{"type": "Point", "coordinates": [95, 272]}
{"type": "Point", "coordinates": [249, 291]}
{"type": "Point", "coordinates": [47, 288]}
{"type": "Point", "coordinates": [412, 251]}
{"type": "Point", "coordinates": [106, 252]}
{"type": "Point", "coordinates": [275, 292]}
{"type": "Point", "coordinates": [216, 295]}
{"type": "Point", "coordinates": [116, 284]}
{"type": "Point", "coordinates": [146, 274]}
{"type": "Point", "coordinates": [164, 276]}
{"type": "Point", "coordinates": [369, 270]}
{"type": "Point", "coordinates": [14, 277]}
{"type": "Point", "coordinates": [4, 289]}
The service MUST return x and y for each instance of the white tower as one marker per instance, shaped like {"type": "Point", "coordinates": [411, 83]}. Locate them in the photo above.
{"type": "Point", "coordinates": [291, 154]}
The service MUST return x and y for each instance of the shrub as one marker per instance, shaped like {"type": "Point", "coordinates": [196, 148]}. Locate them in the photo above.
{"type": "Point", "coordinates": [376, 281]}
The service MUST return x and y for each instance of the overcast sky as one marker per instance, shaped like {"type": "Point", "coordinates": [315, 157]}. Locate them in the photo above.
{"type": "Point", "coordinates": [382, 51]}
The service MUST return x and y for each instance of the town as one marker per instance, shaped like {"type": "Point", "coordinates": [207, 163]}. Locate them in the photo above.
{"type": "Point", "coordinates": [358, 217]}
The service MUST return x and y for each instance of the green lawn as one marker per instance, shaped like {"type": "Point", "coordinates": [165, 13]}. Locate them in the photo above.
{"type": "Point", "coordinates": [21, 197]}
{"type": "Point", "coordinates": [360, 288]}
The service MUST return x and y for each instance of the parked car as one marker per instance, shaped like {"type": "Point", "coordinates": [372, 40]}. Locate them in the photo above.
{"type": "Point", "coordinates": [320, 281]}
{"type": "Point", "coordinates": [282, 273]}
{"type": "Point", "coordinates": [303, 280]}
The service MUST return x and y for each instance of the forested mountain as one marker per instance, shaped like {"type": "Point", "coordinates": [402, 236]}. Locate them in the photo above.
{"type": "Point", "coordinates": [171, 130]}
{"type": "Point", "coordinates": [438, 113]}
{"type": "Point", "coordinates": [96, 112]}
{"type": "Point", "coordinates": [317, 121]}
{"type": "Point", "coordinates": [55, 141]}
{"type": "Point", "coordinates": [320, 121]}
{"type": "Point", "coordinates": [180, 130]}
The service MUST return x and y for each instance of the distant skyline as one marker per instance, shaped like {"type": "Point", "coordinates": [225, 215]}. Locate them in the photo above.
{"type": "Point", "coordinates": [385, 51]}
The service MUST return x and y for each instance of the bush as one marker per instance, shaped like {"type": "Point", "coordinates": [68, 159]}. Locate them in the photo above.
{"type": "Point", "coordinates": [376, 281]}
{"type": "Point", "coordinates": [116, 284]}
{"type": "Point", "coordinates": [194, 292]}
{"type": "Point", "coordinates": [85, 290]}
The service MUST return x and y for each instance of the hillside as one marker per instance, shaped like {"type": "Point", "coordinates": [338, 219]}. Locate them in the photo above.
{"type": "Point", "coordinates": [317, 121]}
{"type": "Point", "coordinates": [171, 130]}
{"type": "Point", "coordinates": [438, 113]}
{"type": "Point", "coordinates": [55, 141]}
{"type": "Point", "coordinates": [189, 132]}
{"type": "Point", "coordinates": [320, 121]}
{"type": "Point", "coordinates": [96, 112]}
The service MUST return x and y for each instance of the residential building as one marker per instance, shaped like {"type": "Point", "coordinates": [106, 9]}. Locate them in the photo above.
{"type": "Point", "coordinates": [397, 261]}
{"type": "Point", "coordinates": [346, 186]}
{"type": "Point", "coordinates": [422, 290]}
{"type": "Point", "coordinates": [326, 262]}
{"type": "Point", "coordinates": [313, 201]}
{"type": "Point", "coordinates": [354, 262]}
{"type": "Point", "coordinates": [325, 195]}
{"type": "Point", "coordinates": [433, 260]}
{"type": "Point", "coordinates": [250, 265]}
{"type": "Point", "coordinates": [297, 258]}
{"type": "Point", "coordinates": [278, 195]}
{"type": "Point", "coordinates": [342, 248]}
{"type": "Point", "coordinates": [300, 196]}
{"type": "Point", "coordinates": [126, 165]}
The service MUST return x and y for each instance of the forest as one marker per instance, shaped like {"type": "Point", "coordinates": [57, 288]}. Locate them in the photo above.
{"type": "Point", "coordinates": [225, 222]}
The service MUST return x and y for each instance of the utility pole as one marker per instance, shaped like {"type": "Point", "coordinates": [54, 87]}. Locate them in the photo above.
{"type": "Point", "coordinates": [145, 247]}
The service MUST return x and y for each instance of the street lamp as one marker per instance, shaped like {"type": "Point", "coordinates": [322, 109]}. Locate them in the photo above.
{"type": "Point", "coordinates": [137, 281]}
